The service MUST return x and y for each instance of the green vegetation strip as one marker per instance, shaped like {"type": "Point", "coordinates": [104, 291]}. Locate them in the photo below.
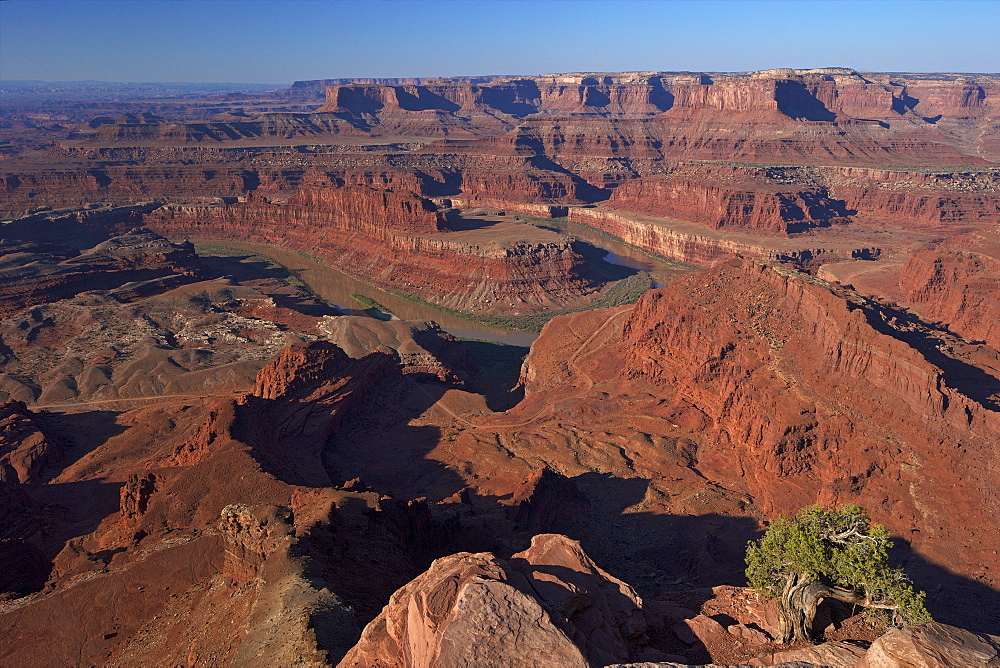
{"type": "Point", "coordinates": [625, 291]}
{"type": "Point", "coordinates": [369, 303]}
{"type": "Point", "coordinates": [269, 264]}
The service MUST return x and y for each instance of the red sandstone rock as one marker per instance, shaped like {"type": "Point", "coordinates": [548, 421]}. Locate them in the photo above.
{"type": "Point", "coordinates": [603, 129]}
{"type": "Point", "coordinates": [768, 382]}
{"type": "Point", "coordinates": [740, 199]}
{"type": "Point", "coordinates": [692, 243]}
{"type": "Point", "coordinates": [836, 654]}
{"type": "Point", "coordinates": [253, 533]}
{"type": "Point", "coordinates": [946, 203]}
{"type": "Point", "coordinates": [958, 283]}
{"type": "Point", "coordinates": [24, 447]}
{"type": "Point", "coordinates": [298, 402]}
{"type": "Point", "coordinates": [546, 605]}
{"type": "Point", "coordinates": [700, 629]}
{"type": "Point", "coordinates": [354, 228]}
{"type": "Point", "coordinates": [466, 608]}
{"type": "Point", "coordinates": [756, 392]}
{"type": "Point", "coordinates": [934, 646]}
{"type": "Point", "coordinates": [843, 337]}
{"type": "Point", "coordinates": [135, 495]}
{"type": "Point", "coordinates": [604, 612]}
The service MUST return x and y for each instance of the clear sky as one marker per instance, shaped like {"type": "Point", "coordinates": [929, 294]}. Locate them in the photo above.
{"type": "Point", "coordinates": [279, 41]}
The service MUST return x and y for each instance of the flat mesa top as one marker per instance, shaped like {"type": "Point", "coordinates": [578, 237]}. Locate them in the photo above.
{"type": "Point", "coordinates": [484, 226]}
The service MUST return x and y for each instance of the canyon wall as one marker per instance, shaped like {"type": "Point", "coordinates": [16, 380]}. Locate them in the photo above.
{"type": "Point", "coordinates": [202, 447]}
{"type": "Point", "coordinates": [835, 94]}
{"type": "Point", "coordinates": [753, 386]}
{"type": "Point", "coordinates": [721, 197]}
{"type": "Point", "coordinates": [958, 283]}
{"type": "Point", "coordinates": [690, 243]}
{"type": "Point", "coordinates": [812, 395]}
{"type": "Point", "coordinates": [946, 202]}
{"type": "Point", "coordinates": [356, 228]}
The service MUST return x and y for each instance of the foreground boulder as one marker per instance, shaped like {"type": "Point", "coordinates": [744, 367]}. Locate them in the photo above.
{"type": "Point", "coordinates": [932, 645]}
{"type": "Point", "coordinates": [551, 605]}
{"type": "Point", "coordinates": [547, 605]}
{"type": "Point", "coordinates": [24, 447]}
{"type": "Point", "coordinates": [468, 609]}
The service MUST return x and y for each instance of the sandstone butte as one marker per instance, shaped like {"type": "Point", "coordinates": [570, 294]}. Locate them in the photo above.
{"type": "Point", "coordinates": [203, 463]}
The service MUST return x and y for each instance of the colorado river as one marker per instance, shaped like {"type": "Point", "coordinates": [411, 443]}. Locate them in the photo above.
{"type": "Point", "coordinates": [622, 254]}
{"type": "Point", "coordinates": [335, 287]}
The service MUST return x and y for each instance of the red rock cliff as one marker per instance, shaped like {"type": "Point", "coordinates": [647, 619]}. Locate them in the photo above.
{"type": "Point", "coordinates": [735, 198]}
{"type": "Point", "coordinates": [356, 228]}
{"type": "Point", "coordinates": [958, 283]}
{"type": "Point", "coordinates": [813, 395]}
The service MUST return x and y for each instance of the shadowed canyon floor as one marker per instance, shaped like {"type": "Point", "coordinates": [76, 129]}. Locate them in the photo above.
{"type": "Point", "coordinates": [254, 449]}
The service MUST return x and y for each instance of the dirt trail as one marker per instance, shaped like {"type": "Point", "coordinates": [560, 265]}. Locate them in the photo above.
{"type": "Point", "coordinates": [99, 402]}
{"type": "Point", "coordinates": [550, 408]}
{"type": "Point", "coordinates": [572, 363]}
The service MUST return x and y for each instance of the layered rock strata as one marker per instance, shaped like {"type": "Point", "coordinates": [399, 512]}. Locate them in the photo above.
{"type": "Point", "coordinates": [958, 283]}
{"type": "Point", "coordinates": [355, 228]}
{"type": "Point", "coordinates": [946, 203]}
{"type": "Point", "coordinates": [763, 321]}
{"type": "Point", "coordinates": [731, 200]}
{"type": "Point", "coordinates": [772, 384]}
{"type": "Point", "coordinates": [693, 244]}
{"type": "Point", "coordinates": [137, 264]}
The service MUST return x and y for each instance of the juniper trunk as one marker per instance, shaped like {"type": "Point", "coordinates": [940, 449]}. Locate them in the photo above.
{"type": "Point", "coordinates": [799, 600]}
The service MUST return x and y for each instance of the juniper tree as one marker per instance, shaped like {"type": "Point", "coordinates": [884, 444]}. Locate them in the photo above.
{"type": "Point", "coordinates": [836, 554]}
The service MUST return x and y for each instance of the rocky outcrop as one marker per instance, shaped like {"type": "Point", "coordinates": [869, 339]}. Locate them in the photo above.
{"type": "Point", "coordinates": [945, 202]}
{"type": "Point", "coordinates": [25, 449]}
{"type": "Point", "coordinates": [289, 606]}
{"type": "Point", "coordinates": [741, 120]}
{"type": "Point", "coordinates": [166, 173]}
{"type": "Point", "coordinates": [604, 613]}
{"type": "Point", "coordinates": [930, 645]}
{"type": "Point", "coordinates": [770, 383]}
{"type": "Point", "coordinates": [836, 654]}
{"type": "Point", "coordinates": [731, 198]}
{"type": "Point", "coordinates": [693, 244]}
{"type": "Point", "coordinates": [933, 645]}
{"type": "Point", "coordinates": [958, 283]}
{"type": "Point", "coordinates": [445, 109]}
{"type": "Point", "coordinates": [252, 534]}
{"type": "Point", "coordinates": [466, 609]}
{"type": "Point", "coordinates": [484, 188]}
{"type": "Point", "coordinates": [754, 338]}
{"type": "Point", "coordinates": [134, 500]}
{"type": "Point", "coordinates": [831, 94]}
{"type": "Point", "coordinates": [299, 400]}
{"type": "Point", "coordinates": [549, 604]}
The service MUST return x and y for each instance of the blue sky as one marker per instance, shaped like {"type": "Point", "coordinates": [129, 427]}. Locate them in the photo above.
{"type": "Point", "coordinates": [275, 41]}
